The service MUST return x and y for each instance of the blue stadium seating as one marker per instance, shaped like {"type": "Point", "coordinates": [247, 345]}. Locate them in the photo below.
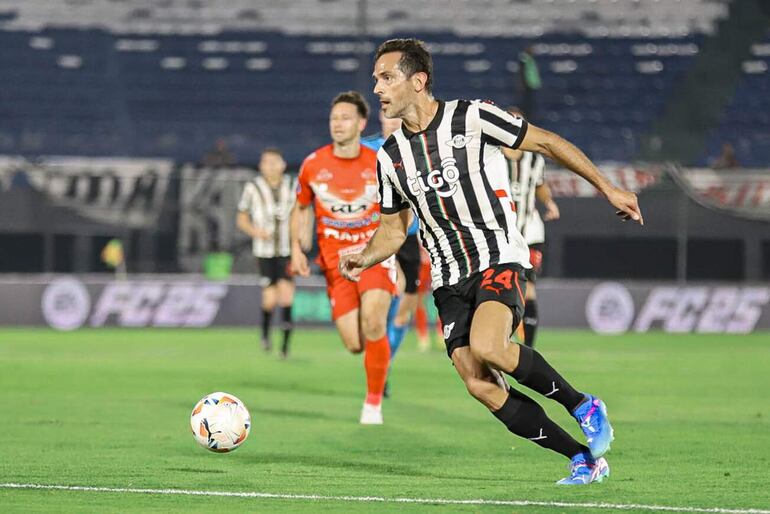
{"type": "Point", "coordinates": [745, 122]}
{"type": "Point", "coordinates": [173, 98]}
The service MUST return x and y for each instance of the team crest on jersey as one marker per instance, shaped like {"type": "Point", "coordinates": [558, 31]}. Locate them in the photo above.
{"type": "Point", "coordinates": [448, 330]}
{"type": "Point", "coordinates": [459, 141]}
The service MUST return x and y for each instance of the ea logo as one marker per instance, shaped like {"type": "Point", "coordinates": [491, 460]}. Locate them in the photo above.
{"type": "Point", "coordinates": [610, 308]}
{"type": "Point", "coordinates": [66, 303]}
{"type": "Point", "coordinates": [448, 175]}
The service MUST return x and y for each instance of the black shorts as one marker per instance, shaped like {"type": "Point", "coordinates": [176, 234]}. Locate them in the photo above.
{"type": "Point", "coordinates": [274, 269]}
{"type": "Point", "coordinates": [504, 283]}
{"type": "Point", "coordinates": [536, 259]}
{"type": "Point", "coordinates": [408, 258]}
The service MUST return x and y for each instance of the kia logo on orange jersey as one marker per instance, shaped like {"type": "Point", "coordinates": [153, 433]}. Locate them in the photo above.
{"type": "Point", "coordinates": [348, 208]}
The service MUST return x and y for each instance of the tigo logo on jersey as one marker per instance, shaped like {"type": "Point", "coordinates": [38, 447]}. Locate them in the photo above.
{"type": "Point", "coordinates": [436, 179]}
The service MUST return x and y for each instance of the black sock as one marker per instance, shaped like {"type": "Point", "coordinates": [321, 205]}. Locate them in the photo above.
{"type": "Point", "coordinates": [525, 418]}
{"type": "Point", "coordinates": [287, 327]}
{"type": "Point", "coordinates": [534, 372]}
{"type": "Point", "coordinates": [266, 315]}
{"type": "Point", "coordinates": [530, 322]}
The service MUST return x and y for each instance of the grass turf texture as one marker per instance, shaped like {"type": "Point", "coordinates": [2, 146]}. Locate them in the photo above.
{"type": "Point", "coordinates": [111, 408]}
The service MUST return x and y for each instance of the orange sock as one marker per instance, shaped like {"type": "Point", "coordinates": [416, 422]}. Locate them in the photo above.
{"type": "Point", "coordinates": [376, 362]}
{"type": "Point", "coordinates": [421, 322]}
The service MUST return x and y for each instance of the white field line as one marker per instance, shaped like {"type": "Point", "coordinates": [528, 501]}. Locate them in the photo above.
{"type": "Point", "coordinates": [382, 499]}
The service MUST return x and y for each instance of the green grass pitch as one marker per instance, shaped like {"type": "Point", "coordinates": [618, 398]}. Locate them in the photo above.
{"type": "Point", "coordinates": [111, 407]}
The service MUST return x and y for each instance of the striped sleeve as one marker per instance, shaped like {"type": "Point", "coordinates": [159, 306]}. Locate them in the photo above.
{"type": "Point", "coordinates": [499, 127]}
{"type": "Point", "coordinates": [540, 170]}
{"type": "Point", "coordinates": [244, 205]}
{"type": "Point", "coordinates": [391, 201]}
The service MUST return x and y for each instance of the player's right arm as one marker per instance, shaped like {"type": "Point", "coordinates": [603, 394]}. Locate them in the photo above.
{"type": "Point", "coordinates": [297, 222]}
{"type": "Point", "coordinates": [387, 239]}
{"type": "Point", "coordinates": [299, 262]}
{"type": "Point", "coordinates": [390, 234]}
{"type": "Point", "coordinates": [243, 219]}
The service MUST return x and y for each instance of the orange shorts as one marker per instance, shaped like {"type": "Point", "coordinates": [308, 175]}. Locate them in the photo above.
{"type": "Point", "coordinates": [425, 280]}
{"type": "Point", "coordinates": [345, 295]}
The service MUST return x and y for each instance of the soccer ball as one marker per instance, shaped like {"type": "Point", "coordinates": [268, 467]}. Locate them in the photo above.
{"type": "Point", "coordinates": [220, 422]}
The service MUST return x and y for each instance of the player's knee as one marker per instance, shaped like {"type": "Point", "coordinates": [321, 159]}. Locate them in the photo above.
{"type": "Point", "coordinates": [373, 327]}
{"type": "Point", "coordinates": [354, 347]}
{"type": "Point", "coordinates": [269, 298]}
{"type": "Point", "coordinates": [483, 352]}
{"type": "Point", "coordinates": [480, 389]}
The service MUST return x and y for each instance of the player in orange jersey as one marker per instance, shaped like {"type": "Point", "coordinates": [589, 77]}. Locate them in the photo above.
{"type": "Point", "coordinates": [340, 182]}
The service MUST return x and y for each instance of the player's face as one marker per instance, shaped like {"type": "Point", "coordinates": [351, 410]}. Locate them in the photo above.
{"type": "Point", "coordinates": [271, 165]}
{"type": "Point", "coordinates": [345, 124]}
{"type": "Point", "coordinates": [392, 86]}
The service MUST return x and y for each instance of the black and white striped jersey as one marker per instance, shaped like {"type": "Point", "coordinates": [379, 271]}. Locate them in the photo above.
{"type": "Point", "coordinates": [269, 209]}
{"type": "Point", "coordinates": [526, 175]}
{"type": "Point", "coordinates": [454, 177]}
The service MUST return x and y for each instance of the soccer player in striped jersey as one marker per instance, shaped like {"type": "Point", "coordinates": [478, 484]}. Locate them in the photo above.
{"type": "Point", "coordinates": [263, 214]}
{"type": "Point", "coordinates": [446, 164]}
{"type": "Point", "coordinates": [527, 172]}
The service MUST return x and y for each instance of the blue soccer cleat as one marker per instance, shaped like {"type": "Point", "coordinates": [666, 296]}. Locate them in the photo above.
{"type": "Point", "coordinates": [592, 416]}
{"type": "Point", "coordinates": [585, 470]}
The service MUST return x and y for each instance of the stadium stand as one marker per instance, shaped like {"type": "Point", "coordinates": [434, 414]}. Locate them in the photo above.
{"type": "Point", "coordinates": [166, 78]}
{"type": "Point", "coordinates": [653, 18]}
{"type": "Point", "coordinates": [746, 120]}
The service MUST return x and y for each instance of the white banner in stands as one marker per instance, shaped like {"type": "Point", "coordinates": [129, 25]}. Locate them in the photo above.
{"type": "Point", "coordinates": [744, 192]}
{"type": "Point", "coordinates": [566, 184]}
{"type": "Point", "coordinates": [125, 192]}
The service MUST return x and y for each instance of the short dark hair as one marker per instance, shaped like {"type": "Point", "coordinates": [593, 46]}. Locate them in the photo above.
{"type": "Point", "coordinates": [355, 98]}
{"type": "Point", "coordinates": [273, 149]}
{"type": "Point", "coordinates": [415, 57]}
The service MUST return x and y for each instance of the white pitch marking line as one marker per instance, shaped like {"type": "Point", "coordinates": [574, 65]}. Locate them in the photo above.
{"type": "Point", "coordinates": [382, 499]}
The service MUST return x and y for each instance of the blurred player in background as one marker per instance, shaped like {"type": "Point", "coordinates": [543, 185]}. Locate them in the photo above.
{"type": "Point", "coordinates": [340, 182]}
{"type": "Point", "coordinates": [263, 214]}
{"type": "Point", "coordinates": [404, 305]}
{"type": "Point", "coordinates": [527, 172]}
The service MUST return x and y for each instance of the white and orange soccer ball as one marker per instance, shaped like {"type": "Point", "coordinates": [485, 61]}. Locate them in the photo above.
{"type": "Point", "coordinates": [220, 422]}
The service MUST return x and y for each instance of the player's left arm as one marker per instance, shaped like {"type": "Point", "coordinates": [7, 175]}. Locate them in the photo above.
{"type": "Point", "coordinates": [387, 239]}
{"type": "Point", "coordinates": [543, 194]}
{"type": "Point", "coordinates": [569, 156]}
